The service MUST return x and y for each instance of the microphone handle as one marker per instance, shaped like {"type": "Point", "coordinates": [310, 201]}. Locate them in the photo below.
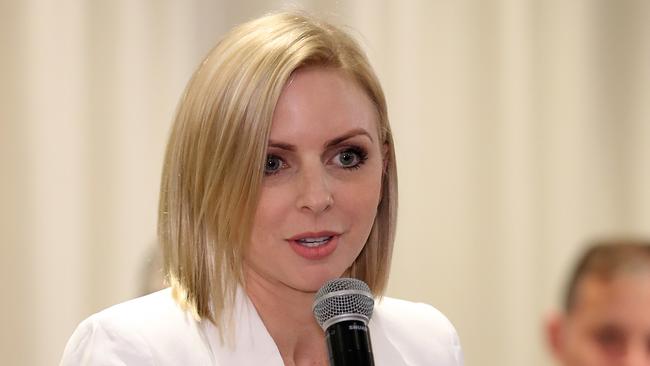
{"type": "Point", "coordinates": [348, 344]}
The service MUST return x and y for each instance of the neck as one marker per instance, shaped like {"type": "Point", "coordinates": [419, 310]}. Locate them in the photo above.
{"type": "Point", "coordinates": [287, 315]}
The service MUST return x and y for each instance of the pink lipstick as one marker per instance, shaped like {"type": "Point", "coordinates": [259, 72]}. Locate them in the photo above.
{"type": "Point", "coordinates": [314, 245]}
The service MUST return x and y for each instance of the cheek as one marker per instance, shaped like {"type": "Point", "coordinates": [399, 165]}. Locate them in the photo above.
{"type": "Point", "coordinates": [361, 198]}
{"type": "Point", "coordinates": [271, 208]}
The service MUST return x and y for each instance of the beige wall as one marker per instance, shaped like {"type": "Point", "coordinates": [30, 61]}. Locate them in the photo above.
{"type": "Point", "coordinates": [522, 130]}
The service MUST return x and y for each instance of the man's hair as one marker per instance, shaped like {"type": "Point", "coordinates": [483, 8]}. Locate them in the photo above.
{"type": "Point", "coordinates": [605, 259]}
{"type": "Point", "coordinates": [214, 161]}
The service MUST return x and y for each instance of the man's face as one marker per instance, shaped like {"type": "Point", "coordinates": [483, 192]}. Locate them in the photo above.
{"type": "Point", "coordinates": [608, 325]}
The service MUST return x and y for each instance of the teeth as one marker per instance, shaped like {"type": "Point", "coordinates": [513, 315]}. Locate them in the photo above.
{"type": "Point", "coordinates": [314, 242]}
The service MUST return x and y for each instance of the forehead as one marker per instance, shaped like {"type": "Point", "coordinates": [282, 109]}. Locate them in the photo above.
{"type": "Point", "coordinates": [623, 300]}
{"type": "Point", "coordinates": [322, 101]}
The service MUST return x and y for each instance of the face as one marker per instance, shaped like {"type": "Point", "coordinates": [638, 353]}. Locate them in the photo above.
{"type": "Point", "coordinates": [322, 182]}
{"type": "Point", "coordinates": [609, 325]}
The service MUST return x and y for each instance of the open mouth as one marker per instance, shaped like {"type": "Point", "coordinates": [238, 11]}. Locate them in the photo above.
{"type": "Point", "coordinates": [314, 242]}
{"type": "Point", "coordinates": [316, 245]}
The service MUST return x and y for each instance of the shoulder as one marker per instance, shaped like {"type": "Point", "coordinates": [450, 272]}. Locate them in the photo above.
{"type": "Point", "coordinates": [419, 331]}
{"type": "Point", "coordinates": [142, 331]}
{"type": "Point", "coordinates": [413, 316]}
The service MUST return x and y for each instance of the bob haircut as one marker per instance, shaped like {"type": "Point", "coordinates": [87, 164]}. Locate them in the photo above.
{"type": "Point", "coordinates": [215, 156]}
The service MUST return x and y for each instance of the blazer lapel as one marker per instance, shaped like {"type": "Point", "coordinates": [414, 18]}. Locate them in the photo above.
{"type": "Point", "coordinates": [384, 351]}
{"type": "Point", "coordinates": [253, 344]}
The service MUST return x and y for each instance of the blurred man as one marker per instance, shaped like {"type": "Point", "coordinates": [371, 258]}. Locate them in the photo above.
{"type": "Point", "coordinates": [606, 317]}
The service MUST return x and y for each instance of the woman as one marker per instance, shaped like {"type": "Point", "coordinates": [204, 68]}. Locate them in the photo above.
{"type": "Point", "coordinates": [279, 175]}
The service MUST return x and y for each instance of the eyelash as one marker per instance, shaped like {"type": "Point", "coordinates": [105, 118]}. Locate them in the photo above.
{"type": "Point", "coordinates": [269, 157]}
{"type": "Point", "coordinates": [360, 152]}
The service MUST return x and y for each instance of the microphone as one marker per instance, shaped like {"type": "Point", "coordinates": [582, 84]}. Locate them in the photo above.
{"type": "Point", "coordinates": [343, 307]}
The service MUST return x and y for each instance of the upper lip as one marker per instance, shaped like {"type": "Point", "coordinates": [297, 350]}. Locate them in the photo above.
{"type": "Point", "coordinates": [319, 234]}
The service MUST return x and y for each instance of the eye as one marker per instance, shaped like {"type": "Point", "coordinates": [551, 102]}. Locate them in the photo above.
{"type": "Point", "coordinates": [273, 164]}
{"type": "Point", "coordinates": [351, 158]}
{"type": "Point", "coordinates": [611, 340]}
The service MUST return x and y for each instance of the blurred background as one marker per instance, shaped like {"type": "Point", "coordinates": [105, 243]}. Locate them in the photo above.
{"type": "Point", "coordinates": [522, 131]}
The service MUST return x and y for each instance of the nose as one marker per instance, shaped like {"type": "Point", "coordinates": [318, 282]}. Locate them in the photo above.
{"type": "Point", "coordinates": [314, 193]}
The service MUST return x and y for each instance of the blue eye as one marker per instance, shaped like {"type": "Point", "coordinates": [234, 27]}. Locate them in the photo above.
{"type": "Point", "coordinates": [273, 164]}
{"type": "Point", "coordinates": [351, 158]}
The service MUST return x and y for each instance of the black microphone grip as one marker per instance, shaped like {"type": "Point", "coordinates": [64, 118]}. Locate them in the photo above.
{"type": "Point", "coordinates": [348, 344]}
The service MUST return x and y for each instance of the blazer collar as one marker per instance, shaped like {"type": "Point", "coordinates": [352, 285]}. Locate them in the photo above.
{"type": "Point", "coordinates": [254, 345]}
{"type": "Point", "coordinates": [383, 349]}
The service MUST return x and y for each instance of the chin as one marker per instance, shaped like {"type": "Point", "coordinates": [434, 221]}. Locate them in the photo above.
{"type": "Point", "coordinates": [312, 282]}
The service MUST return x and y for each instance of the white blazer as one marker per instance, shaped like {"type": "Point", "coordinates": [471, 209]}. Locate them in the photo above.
{"type": "Point", "coordinates": [153, 330]}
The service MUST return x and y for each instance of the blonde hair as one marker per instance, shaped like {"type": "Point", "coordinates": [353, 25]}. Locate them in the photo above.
{"type": "Point", "coordinates": [215, 156]}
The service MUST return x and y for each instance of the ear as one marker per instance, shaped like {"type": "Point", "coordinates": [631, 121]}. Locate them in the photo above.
{"type": "Point", "coordinates": [555, 325]}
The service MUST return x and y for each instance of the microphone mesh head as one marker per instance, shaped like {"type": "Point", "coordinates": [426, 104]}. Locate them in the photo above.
{"type": "Point", "coordinates": [343, 298]}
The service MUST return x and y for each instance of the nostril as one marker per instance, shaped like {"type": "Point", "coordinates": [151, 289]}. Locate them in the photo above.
{"type": "Point", "coordinates": [317, 204]}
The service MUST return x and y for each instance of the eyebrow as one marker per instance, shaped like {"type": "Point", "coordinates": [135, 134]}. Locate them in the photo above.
{"type": "Point", "coordinates": [333, 142]}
